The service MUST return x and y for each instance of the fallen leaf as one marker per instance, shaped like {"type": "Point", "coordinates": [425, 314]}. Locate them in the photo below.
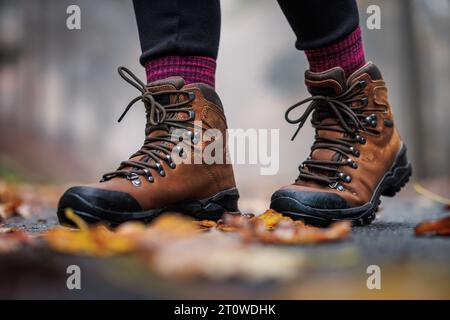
{"type": "Point", "coordinates": [434, 227]}
{"type": "Point", "coordinates": [272, 227]}
{"type": "Point", "coordinates": [96, 241]}
{"type": "Point", "coordinates": [297, 233]}
{"type": "Point", "coordinates": [206, 224]}
{"type": "Point", "coordinates": [270, 218]}
{"type": "Point", "coordinates": [9, 200]}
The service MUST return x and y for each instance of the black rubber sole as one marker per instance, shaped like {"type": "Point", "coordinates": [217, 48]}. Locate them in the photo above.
{"type": "Point", "coordinates": [211, 208]}
{"type": "Point", "coordinates": [390, 184]}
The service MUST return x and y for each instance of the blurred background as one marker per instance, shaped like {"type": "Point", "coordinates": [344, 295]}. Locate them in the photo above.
{"type": "Point", "coordinates": [60, 95]}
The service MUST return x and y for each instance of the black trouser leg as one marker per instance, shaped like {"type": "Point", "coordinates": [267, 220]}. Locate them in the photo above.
{"type": "Point", "coordinates": [178, 27]}
{"type": "Point", "coordinates": [319, 23]}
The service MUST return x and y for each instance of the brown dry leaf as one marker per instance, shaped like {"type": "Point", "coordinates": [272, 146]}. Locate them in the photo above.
{"type": "Point", "coordinates": [96, 241]}
{"type": "Point", "coordinates": [272, 227]}
{"type": "Point", "coordinates": [235, 222]}
{"type": "Point", "coordinates": [205, 224]}
{"type": "Point", "coordinates": [8, 209]}
{"type": "Point", "coordinates": [436, 227]}
{"type": "Point", "coordinates": [301, 234]}
{"type": "Point", "coordinates": [232, 222]}
{"type": "Point", "coordinates": [9, 200]}
{"type": "Point", "coordinates": [12, 239]}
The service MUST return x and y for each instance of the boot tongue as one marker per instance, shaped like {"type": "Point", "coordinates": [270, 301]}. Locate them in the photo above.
{"type": "Point", "coordinates": [329, 83]}
{"type": "Point", "coordinates": [171, 83]}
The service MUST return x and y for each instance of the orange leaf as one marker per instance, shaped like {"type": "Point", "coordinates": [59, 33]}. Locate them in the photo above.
{"type": "Point", "coordinates": [437, 227]}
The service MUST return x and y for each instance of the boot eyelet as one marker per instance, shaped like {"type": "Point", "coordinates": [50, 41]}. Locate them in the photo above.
{"type": "Point", "coordinates": [352, 163]}
{"type": "Point", "coordinates": [344, 177]}
{"type": "Point", "coordinates": [191, 114]}
{"type": "Point", "coordinates": [360, 139]}
{"type": "Point", "coordinates": [169, 160]}
{"type": "Point", "coordinates": [148, 176]}
{"type": "Point", "coordinates": [372, 120]}
{"type": "Point", "coordinates": [194, 136]}
{"type": "Point", "coordinates": [191, 96]}
{"type": "Point", "coordinates": [178, 150]}
{"type": "Point", "coordinates": [362, 84]}
{"type": "Point", "coordinates": [355, 152]}
{"type": "Point", "coordinates": [365, 101]}
{"type": "Point", "coordinates": [336, 185]}
{"type": "Point", "coordinates": [134, 178]}
{"type": "Point", "coordinates": [160, 169]}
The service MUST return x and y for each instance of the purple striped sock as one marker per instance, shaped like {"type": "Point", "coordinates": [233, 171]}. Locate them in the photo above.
{"type": "Point", "coordinates": [347, 54]}
{"type": "Point", "coordinates": [191, 68]}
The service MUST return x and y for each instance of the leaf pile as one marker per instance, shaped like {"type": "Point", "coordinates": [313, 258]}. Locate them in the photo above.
{"type": "Point", "coordinates": [175, 246]}
{"type": "Point", "coordinates": [272, 227]}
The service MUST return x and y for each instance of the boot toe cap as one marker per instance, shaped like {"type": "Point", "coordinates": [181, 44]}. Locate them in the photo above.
{"type": "Point", "coordinates": [301, 200]}
{"type": "Point", "coordinates": [96, 201]}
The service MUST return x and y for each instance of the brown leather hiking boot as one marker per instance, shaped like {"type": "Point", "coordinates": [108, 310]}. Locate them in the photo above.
{"type": "Point", "coordinates": [153, 180]}
{"type": "Point", "coordinates": [357, 155]}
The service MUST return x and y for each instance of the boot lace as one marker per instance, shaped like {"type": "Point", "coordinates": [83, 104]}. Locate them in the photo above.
{"type": "Point", "coordinates": [341, 114]}
{"type": "Point", "coordinates": [166, 117]}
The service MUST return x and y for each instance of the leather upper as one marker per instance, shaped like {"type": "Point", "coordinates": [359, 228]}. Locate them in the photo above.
{"type": "Point", "coordinates": [186, 181]}
{"type": "Point", "coordinates": [378, 152]}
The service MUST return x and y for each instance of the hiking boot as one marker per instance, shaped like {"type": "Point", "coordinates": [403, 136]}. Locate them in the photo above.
{"type": "Point", "coordinates": [357, 155]}
{"type": "Point", "coordinates": [157, 178]}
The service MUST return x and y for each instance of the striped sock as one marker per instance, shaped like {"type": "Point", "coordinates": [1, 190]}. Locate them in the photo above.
{"type": "Point", "coordinates": [347, 54]}
{"type": "Point", "coordinates": [191, 68]}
